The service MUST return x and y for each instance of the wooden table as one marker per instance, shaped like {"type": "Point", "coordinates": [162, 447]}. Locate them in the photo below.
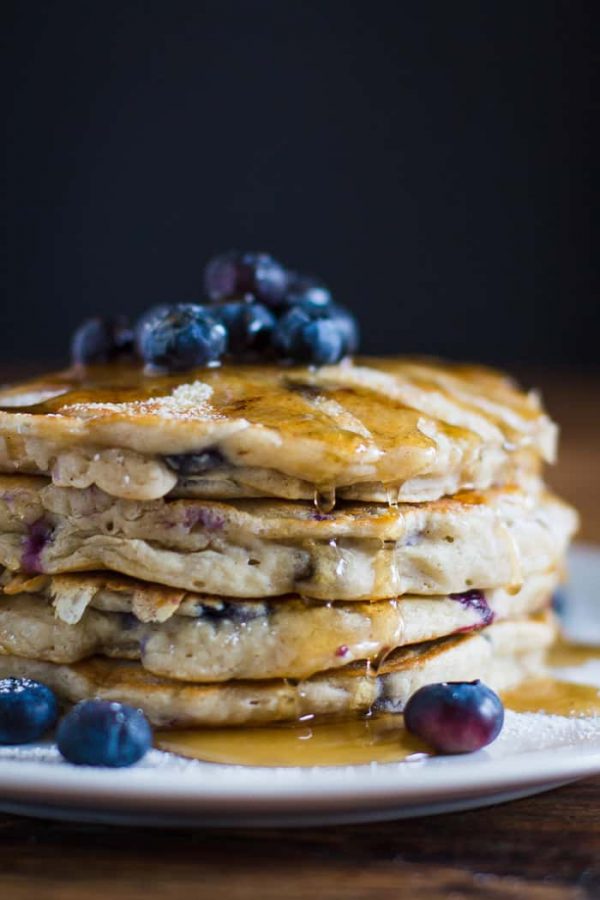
{"type": "Point", "coordinates": [544, 847]}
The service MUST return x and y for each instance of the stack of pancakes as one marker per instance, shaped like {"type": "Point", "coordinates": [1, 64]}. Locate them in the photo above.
{"type": "Point", "coordinates": [249, 544]}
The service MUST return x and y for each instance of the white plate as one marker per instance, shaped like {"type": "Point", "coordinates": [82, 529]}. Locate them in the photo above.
{"type": "Point", "coordinates": [534, 753]}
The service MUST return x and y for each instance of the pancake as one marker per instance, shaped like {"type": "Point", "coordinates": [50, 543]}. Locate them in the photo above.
{"type": "Point", "coordinates": [501, 655]}
{"type": "Point", "coordinates": [261, 548]}
{"type": "Point", "coordinates": [70, 618]}
{"type": "Point", "coordinates": [238, 482]}
{"type": "Point", "coordinates": [379, 429]}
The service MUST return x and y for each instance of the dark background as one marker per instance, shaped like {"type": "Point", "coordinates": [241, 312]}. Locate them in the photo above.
{"type": "Point", "coordinates": [435, 162]}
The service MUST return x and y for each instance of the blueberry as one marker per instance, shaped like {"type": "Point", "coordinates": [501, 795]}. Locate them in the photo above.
{"type": "Point", "coordinates": [232, 612]}
{"type": "Point", "coordinates": [249, 325]}
{"type": "Point", "coordinates": [149, 315]}
{"type": "Point", "coordinates": [38, 536]}
{"type": "Point", "coordinates": [101, 340]}
{"type": "Point", "coordinates": [475, 600]}
{"type": "Point", "coordinates": [348, 327]}
{"type": "Point", "coordinates": [303, 289]}
{"type": "Point", "coordinates": [234, 274]}
{"type": "Point", "coordinates": [182, 337]}
{"type": "Point", "coordinates": [195, 463]}
{"type": "Point", "coordinates": [28, 710]}
{"type": "Point", "coordinates": [317, 335]}
{"type": "Point", "coordinates": [103, 733]}
{"type": "Point", "coordinates": [455, 716]}
{"type": "Point", "coordinates": [319, 342]}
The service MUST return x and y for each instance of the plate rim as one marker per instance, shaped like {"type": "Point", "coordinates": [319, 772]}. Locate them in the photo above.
{"type": "Point", "coordinates": [274, 789]}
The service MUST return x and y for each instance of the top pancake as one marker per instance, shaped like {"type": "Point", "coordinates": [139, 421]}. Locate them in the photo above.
{"type": "Point", "coordinates": [372, 430]}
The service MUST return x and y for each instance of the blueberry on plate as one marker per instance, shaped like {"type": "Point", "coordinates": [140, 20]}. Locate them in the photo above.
{"type": "Point", "coordinates": [182, 337]}
{"type": "Point", "coordinates": [249, 325]}
{"type": "Point", "coordinates": [455, 716]}
{"type": "Point", "coordinates": [104, 733]}
{"type": "Point", "coordinates": [234, 274]}
{"type": "Point", "coordinates": [315, 335]}
{"type": "Point", "coordinates": [28, 709]}
{"type": "Point", "coordinates": [100, 340]}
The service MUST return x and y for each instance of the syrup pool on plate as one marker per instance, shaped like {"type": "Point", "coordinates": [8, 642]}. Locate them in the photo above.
{"type": "Point", "coordinates": [566, 653]}
{"type": "Point", "coordinates": [559, 696]}
{"type": "Point", "coordinates": [380, 739]}
{"type": "Point", "coordinates": [554, 697]}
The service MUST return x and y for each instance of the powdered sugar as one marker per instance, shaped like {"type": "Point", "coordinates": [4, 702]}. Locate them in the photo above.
{"type": "Point", "coordinates": [187, 401]}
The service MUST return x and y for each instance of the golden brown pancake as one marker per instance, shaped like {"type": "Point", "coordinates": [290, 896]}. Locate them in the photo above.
{"type": "Point", "coordinates": [374, 430]}
{"type": "Point", "coordinates": [266, 548]}
{"type": "Point", "coordinates": [191, 637]}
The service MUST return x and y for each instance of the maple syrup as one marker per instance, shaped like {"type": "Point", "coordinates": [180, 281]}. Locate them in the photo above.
{"type": "Point", "coordinates": [554, 697]}
{"type": "Point", "coordinates": [558, 696]}
{"type": "Point", "coordinates": [567, 653]}
{"type": "Point", "coordinates": [378, 739]}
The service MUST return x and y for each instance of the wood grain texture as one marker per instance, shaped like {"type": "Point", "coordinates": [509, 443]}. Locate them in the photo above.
{"type": "Point", "coordinates": [543, 847]}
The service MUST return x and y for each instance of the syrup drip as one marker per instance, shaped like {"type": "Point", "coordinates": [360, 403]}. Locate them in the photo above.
{"type": "Point", "coordinates": [393, 496]}
{"type": "Point", "coordinates": [324, 499]}
{"type": "Point", "coordinates": [381, 739]}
